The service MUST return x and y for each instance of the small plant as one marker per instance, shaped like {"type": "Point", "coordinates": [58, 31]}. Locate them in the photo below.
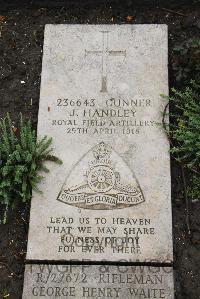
{"type": "Point", "coordinates": [193, 187]}
{"type": "Point", "coordinates": [4, 292]}
{"type": "Point", "coordinates": [22, 159]}
{"type": "Point", "coordinates": [184, 133]}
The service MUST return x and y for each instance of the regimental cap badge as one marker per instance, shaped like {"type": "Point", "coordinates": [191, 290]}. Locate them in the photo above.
{"type": "Point", "coordinates": [101, 180]}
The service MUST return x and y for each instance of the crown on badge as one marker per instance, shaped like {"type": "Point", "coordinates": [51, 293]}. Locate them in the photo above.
{"type": "Point", "coordinates": [101, 153]}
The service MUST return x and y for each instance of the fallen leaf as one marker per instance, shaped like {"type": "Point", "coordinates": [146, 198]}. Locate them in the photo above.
{"type": "Point", "coordinates": [12, 44]}
{"type": "Point", "coordinates": [2, 18]}
{"type": "Point", "coordinates": [14, 129]}
{"type": "Point", "coordinates": [129, 18]}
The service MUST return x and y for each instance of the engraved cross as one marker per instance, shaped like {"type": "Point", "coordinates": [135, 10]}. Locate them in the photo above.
{"type": "Point", "coordinates": [105, 52]}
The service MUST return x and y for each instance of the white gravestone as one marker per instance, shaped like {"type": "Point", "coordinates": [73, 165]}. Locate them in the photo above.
{"type": "Point", "coordinates": [100, 101]}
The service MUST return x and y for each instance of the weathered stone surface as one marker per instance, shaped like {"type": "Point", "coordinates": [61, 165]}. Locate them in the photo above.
{"type": "Point", "coordinates": [100, 101]}
{"type": "Point", "coordinates": [86, 281]}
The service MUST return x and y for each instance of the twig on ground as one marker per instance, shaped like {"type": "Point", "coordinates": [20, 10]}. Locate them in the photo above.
{"type": "Point", "coordinates": [163, 117]}
{"type": "Point", "coordinates": [175, 12]}
{"type": "Point", "coordinates": [11, 271]}
{"type": "Point", "coordinates": [187, 216]}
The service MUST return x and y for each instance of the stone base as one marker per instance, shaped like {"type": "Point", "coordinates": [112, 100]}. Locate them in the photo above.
{"type": "Point", "coordinates": [97, 281]}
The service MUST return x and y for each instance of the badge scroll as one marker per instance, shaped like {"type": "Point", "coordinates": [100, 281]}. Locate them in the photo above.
{"type": "Point", "coordinates": [103, 181]}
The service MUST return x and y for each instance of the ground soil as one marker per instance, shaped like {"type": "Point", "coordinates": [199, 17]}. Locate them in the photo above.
{"type": "Point", "coordinates": [21, 41]}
